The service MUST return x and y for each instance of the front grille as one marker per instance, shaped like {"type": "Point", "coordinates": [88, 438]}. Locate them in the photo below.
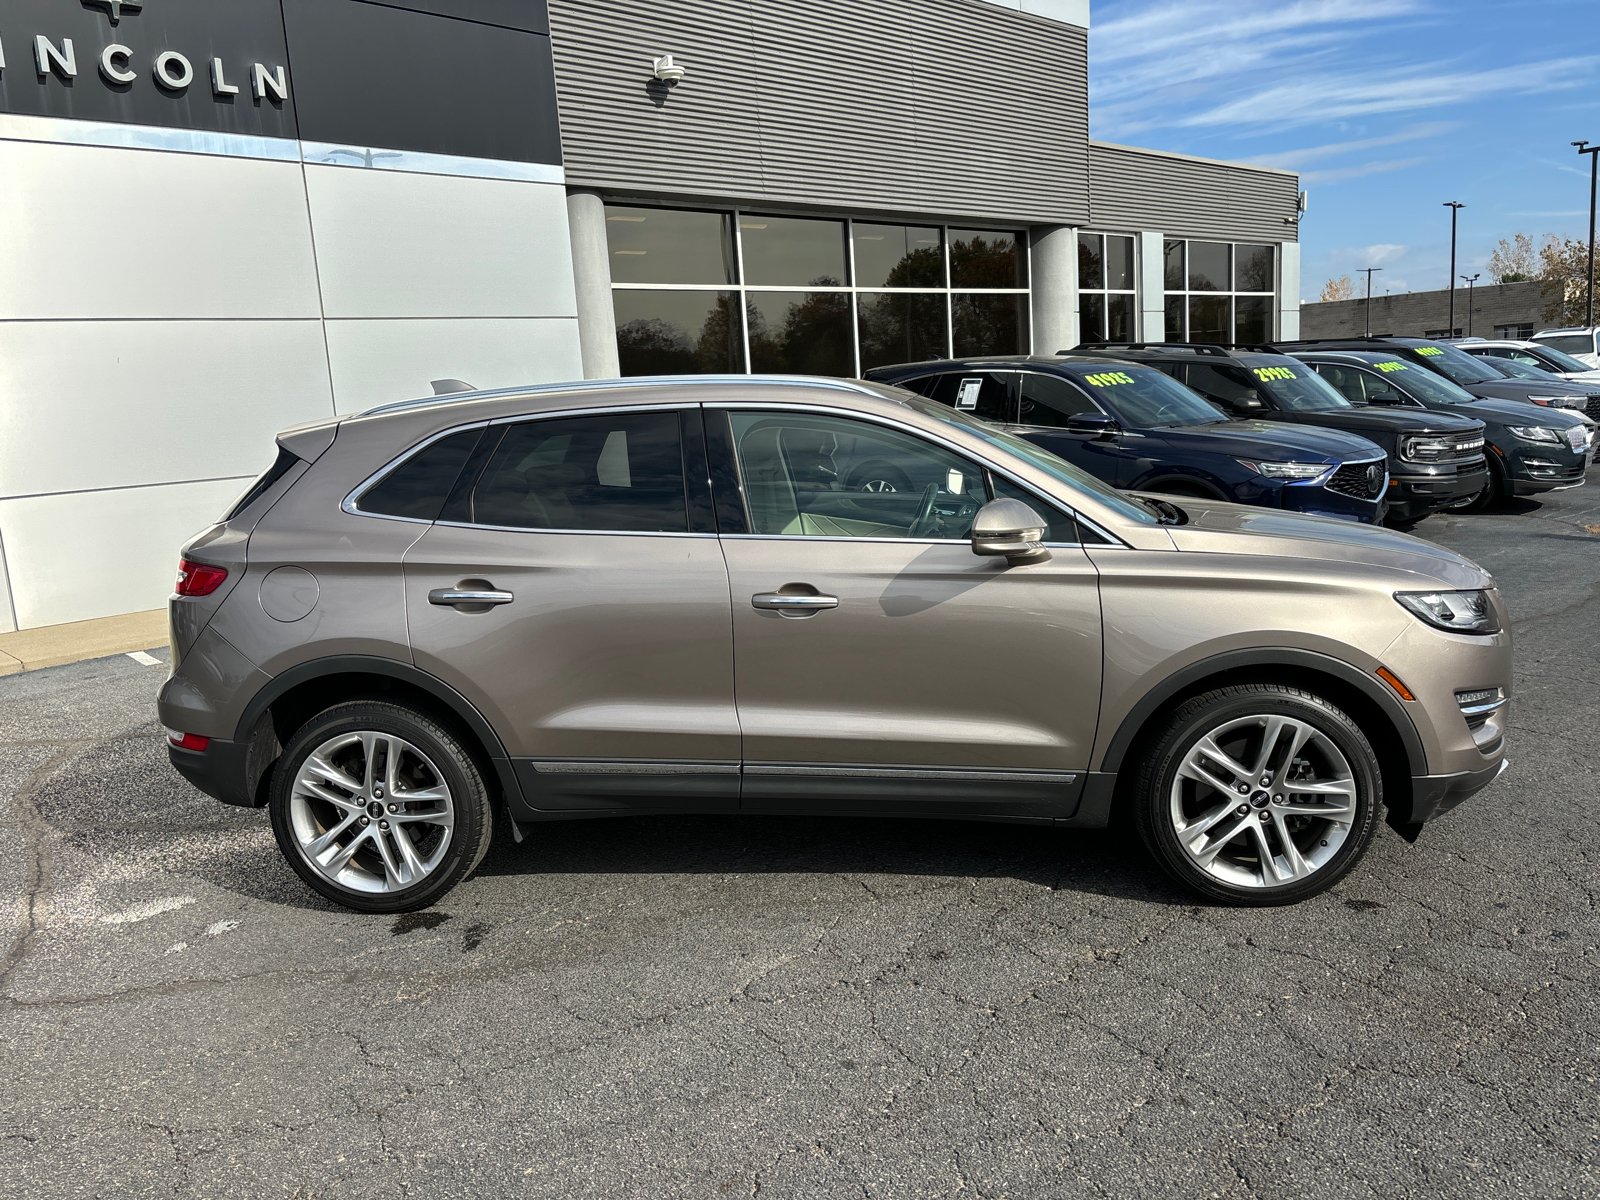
{"type": "Point", "coordinates": [1363, 480]}
{"type": "Point", "coordinates": [1591, 406]}
{"type": "Point", "coordinates": [1442, 447]}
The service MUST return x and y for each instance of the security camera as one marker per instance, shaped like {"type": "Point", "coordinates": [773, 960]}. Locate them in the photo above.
{"type": "Point", "coordinates": [668, 71]}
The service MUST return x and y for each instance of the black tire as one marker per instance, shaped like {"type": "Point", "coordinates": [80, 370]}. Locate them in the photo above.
{"type": "Point", "coordinates": [466, 842]}
{"type": "Point", "coordinates": [1491, 494]}
{"type": "Point", "coordinates": [878, 475]}
{"type": "Point", "coordinates": [1155, 803]}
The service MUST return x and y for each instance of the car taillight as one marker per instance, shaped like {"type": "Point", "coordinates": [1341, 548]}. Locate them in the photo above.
{"type": "Point", "coordinates": [199, 579]}
{"type": "Point", "coordinates": [187, 741]}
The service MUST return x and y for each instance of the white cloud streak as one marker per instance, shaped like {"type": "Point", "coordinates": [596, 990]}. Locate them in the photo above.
{"type": "Point", "coordinates": [1339, 174]}
{"type": "Point", "coordinates": [1293, 159]}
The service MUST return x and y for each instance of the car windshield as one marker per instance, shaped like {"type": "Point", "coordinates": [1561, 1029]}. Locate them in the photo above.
{"type": "Point", "coordinates": [1418, 381]}
{"type": "Point", "coordinates": [1569, 343]}
{"type": "Point", "coordinates": [1456, 364]}
{"type": "Point", "coordinates": [1142, 396]}
{"type": "Point", "coordinates": [1559, 361]}
{"type": "Point", "coordinates": [1037, 456]}
{"type": "Point", "coordinates": [1296, 388]}
{"type": "Point", "coordinates": [1518, 370]}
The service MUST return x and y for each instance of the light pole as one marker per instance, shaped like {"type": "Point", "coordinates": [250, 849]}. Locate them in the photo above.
{"type": "Point", "coordinates": [1455, 207]}
{"type": "Point", "coordinates": [1469, 280]}
{"type": "Point", "coordinates": [1594, 162]}
{"type": "Point", "coordinates": [1369, 271]}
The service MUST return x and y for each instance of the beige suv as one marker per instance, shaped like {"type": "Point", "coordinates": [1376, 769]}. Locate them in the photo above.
{"type": "Point", "coordinates": [767, 595]}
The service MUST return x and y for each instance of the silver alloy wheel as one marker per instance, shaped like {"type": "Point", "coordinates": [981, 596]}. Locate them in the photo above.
{"type": "Point", "coordinates": [878, 485]}
{"type": "Point", "coordinates": [371, 812]}
{"type": "Point", "coordinates": [1263, 801]}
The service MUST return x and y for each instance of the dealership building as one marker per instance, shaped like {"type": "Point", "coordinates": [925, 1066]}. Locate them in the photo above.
{"type": "Point", "coordinates": [223, 217]}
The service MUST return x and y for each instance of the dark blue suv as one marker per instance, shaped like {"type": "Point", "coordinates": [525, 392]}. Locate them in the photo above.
{"type": "Point", "coordinates": [1141, 430]}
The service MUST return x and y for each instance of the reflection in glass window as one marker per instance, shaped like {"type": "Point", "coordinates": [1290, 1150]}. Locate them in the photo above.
{"type": "Point", "coordinates": [1049, 401]}
{"type": "Point", "coordinates": [799, 333]}
{"type": "Point", "coordinates": [817, 476]}
{"type": "Point", "coordinates": [1119, 263]}
{"type": "Point", "coordinates": [1176, 275]}
{"type": "Point", "coordinates": [989, 324]}
{"type": "Point", "coordinates": [1210, 266]}
{"type": "Point", "coordinates": [901, 327]}
{"type": "Point", "coordinates": [983, 258]}
{"type": "Point", "coordinates": [621, 471]}
{"type": "Point", "coordinates": [1252, 319]}
{"type": "Point", "coordinates": [1062, 529]}
{"type": "Point", "coordinates": [794, 252]}
{"type": "Point", "coordinates": [1253, 269]}
{"type": "Point", "coordinates": [1091, 261]}
{"type": "Point", "coordinates": [1105, 287]}
{"type": "Point", "coordinates": [1209, 319]}
{"type": "Point", "coordinates": [1092, 317]}
{"type": "Point", "coordinates": [668, 245]}
{"type": "Point", "coordinates": [1119, 317]}
{"type": "Point", "coordinates": [989, 395]}
{"type": "Point", "coordinates": [678, 333]}
{"type": "Point", "coordinates": [1176, 326]}
{"type": "Point", "coordinates": [898, 256]}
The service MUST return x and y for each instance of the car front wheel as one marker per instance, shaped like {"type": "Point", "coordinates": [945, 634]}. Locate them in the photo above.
{"type": "Point", "coordinates": [379, 807]}
{"type": "Point", "coordinates": [1258, 794]}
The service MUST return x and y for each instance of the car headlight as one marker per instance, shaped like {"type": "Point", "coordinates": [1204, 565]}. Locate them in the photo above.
{"type": "Point", "coordinates": [1411, 447]}
{"type": "Point", "coordinates": [1286, 470]}
{"type": "Point", "coordinates": [1534, 433]}
{"type": "Point", "coordinates": [1458, 612]}
{"type": "Point", "coordinates": [1558, 401]}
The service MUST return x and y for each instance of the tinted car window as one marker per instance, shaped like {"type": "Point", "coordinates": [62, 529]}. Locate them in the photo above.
{"type": "Point", "coordinates": [417, 487]}
{"type": "Point", "coordinates": [1420, 383]}
{"type": "Point", "coordinates": [1294, 387]}
{"type": "Point", "coordinates": [1356, 385]}
{"type": "Point", "coordinates": [1228, 386]}
{"type": "Point", "coordinates": [1570, 343]}
{"type": "Point", "coordinates": [985, 394]}
{"type": "Point", "coordinates": [1142, 396]}
{"type": "Point", "coordinates": [1554, 360]}
{"type": "Point", "coordinates": [621, 472]}
{"type": "Point", "coordinates": [279, 468]}
{"type": "Point", "coordinates": [1049, 401]}
{"type": "Point", "coordinates": [818, 476]}
{"type": "Point", "coordinates": [1456, 364]}
{"type": "Point", "coordinates": [1062, 527]}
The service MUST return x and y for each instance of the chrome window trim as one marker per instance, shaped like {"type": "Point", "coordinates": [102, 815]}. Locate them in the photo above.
{"type": "Point", "coordinates": [834, 537]}
{"type": "Point", "coordinates": [574, 532]}
{"type": "Point", "coordinates": [911, 431]}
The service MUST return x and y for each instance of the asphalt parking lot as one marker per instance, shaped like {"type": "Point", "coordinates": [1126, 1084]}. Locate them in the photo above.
{"type": "Point", "coordinates": [806, 1008]}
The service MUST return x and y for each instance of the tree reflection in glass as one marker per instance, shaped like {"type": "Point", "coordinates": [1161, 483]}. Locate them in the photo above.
{"type": "Point", "coordinates": [982, 258]}
{"type": "Point", "coordinates": [800, 333]}
{"type": "Point", "coordinates": [901, 327]}
{"type": "Point", "coordinates": [989, 324]}
{"type": "Point", "coordinates": [678, 333]}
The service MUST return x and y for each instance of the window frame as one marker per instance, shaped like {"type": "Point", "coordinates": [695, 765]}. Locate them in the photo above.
{"type": "Point", "coordinates": [1108, 292]}
{"type": "Point", "coordinates": [737, 217]}
{"type": "Point", "coordinates": [1231, 293]}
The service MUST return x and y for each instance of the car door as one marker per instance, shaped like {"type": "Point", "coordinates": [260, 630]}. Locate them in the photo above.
{"type": "Point", "coordinates": [881, 666]}
{"type": "Point", "coordinates": [1049, 402]}
{"type": "Point", "coordinates": [574, 590]}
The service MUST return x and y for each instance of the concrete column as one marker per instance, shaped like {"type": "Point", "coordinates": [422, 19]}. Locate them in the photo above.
{"type": "Point", "coordinates": [1054, 259]}
{"type": "Point", "coordinates": [1152, 287]}
{"type": "Point", "coordinates": [1288, 291]}
{"type": "Point", "coordinates": [591, 272]}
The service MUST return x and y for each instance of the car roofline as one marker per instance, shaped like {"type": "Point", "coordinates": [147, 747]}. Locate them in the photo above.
{"type": "Point", "coordinates": [636, 381]}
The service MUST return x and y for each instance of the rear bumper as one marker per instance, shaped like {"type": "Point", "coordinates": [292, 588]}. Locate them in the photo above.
{"type": "Point", "coordinates": [1434, 795]}
{"type": "Point", "coordinates": [218, 770]}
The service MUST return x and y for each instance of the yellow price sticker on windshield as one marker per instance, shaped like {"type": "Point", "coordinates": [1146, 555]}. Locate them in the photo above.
{"type": "Point", "coordinates": [1267, 374]}
{"type": "Point", "coordinates": [1430, 350]}
{"type": "Point", "coordinates": [1390, 366]}
{"type": "Point", "coordinates": [1107, 378]}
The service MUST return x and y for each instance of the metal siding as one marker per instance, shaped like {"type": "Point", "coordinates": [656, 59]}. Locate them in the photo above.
{"type": "Point", "coordinates": [953, 108]}
{"type": "Point", "coordinates": [1183, 197]}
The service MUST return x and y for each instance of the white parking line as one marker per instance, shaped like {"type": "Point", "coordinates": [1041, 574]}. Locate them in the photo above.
{"type": "Point", "coordinates": [143, 659]}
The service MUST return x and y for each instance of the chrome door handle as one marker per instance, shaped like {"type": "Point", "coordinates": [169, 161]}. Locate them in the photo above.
{"type": "Point", "coordinates": [449, 596]}
{"type": "Point", "coordinates": [783, 602]}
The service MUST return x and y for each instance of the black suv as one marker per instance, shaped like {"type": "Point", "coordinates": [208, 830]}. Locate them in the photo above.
{"type": "Point", "coordinates": [1531, 449]}
{"type": "Point", "coordinates": [1435, 458]}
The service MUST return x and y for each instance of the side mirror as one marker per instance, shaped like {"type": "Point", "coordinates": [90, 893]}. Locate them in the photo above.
{"type": "Point", "coordinates": [1096, 423]}
{"type": "Point", "coordinates": [1011, 529]}
{"type": "Point", "coordinates": [1250, 399]}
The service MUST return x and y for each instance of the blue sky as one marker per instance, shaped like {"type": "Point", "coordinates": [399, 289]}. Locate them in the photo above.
{"type": "Point", "coordinates": [1388, 108]}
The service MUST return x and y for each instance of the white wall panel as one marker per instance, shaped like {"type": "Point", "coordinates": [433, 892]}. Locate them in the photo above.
{"type": "Point", "coordinates": [99, 404]}
{"type": "Point", "coordinates": [96, 554]}
{"type": "Point", "coordinates": [391, 244]}
{"type": "Point", "coordinates": [90, 231]}
{"type": "Point", "coordinates": [380, 362]}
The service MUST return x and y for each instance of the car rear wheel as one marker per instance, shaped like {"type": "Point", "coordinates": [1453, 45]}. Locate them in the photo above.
{"type": "Point", "coordinates": [1258, 794]}
{"type": "Point", "coordinates": [379, 807]}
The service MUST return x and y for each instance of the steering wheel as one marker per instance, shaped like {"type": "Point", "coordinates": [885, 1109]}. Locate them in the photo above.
{"type": "Point", "coordinates": [924, 512]}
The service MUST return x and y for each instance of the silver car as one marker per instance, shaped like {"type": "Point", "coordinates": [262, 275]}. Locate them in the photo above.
{"type": "Point", "coordinates": [771, 595]}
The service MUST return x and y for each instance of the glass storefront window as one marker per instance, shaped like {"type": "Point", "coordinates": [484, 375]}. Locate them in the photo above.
{"type": "Point", "coordinates": [1105, 287]}
{"type": "Point", "coordinates": [984, 258]}
{"type": "Point", "coordinates": [799, 333]}
{"type": "Point", "coordinates": [669, 245]}
{"type": "Point", "coordinates": [793, 252]}
{"type": "Point", "coordinates": [901, 327]}
{"type": "Point", "coordinates": [989, 324]}
{"type": "Point", "coordinates": [1220, 291]}
{"type": "Point", "coordinates": [898, 256]}
{"type": "Point", "coordinates": [662, 332]}
{"type": "Point", "coordinates": [713, 292]}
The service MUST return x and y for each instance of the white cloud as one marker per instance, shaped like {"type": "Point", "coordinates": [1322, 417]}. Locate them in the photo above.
{"type": "Point", "coordinates": [1372, 168]}
{"type": "Point", "coordinates": [1293, 159]}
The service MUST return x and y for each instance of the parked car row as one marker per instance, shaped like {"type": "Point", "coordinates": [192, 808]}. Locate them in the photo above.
{"type": "Point", "coordinates": [1367, 429]}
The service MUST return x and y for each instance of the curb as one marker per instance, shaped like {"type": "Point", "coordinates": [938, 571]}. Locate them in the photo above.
{"type": "Point", "coordinates": [77, 641]}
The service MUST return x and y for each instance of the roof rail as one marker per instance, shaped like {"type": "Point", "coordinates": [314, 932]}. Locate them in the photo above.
{"type": "Point", "coordinates": [588, 385]}
{"type": "Point", "coordinates": [1212, 348]}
